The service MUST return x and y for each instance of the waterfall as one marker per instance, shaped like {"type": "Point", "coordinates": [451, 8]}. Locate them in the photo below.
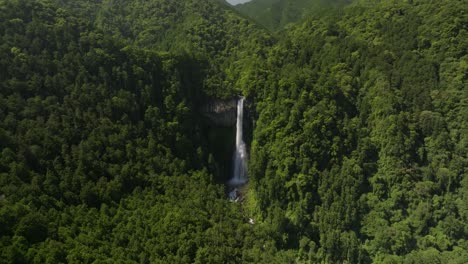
{"type": "Point", "coordinates": [239, 176]}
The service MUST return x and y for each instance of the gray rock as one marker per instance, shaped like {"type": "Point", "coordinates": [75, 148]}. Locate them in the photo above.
{"type": "Point", "coordinates": [221, 112]}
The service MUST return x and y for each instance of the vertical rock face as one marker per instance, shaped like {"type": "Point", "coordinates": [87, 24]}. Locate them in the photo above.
{"type": "Point", "coordinates": [220, 123]}
{"type": "Point", "coordinates": [221, 112]}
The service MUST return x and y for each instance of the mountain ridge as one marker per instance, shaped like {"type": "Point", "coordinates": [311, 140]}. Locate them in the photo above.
{"type": "Point", "coordinates": [277, 14]}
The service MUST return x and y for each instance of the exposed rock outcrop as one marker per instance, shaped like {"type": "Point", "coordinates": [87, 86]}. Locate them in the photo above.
{"type": "Point", "coordinates": [221, 112]}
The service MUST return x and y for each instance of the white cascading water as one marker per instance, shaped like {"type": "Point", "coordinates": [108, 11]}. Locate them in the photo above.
{"type": "Point", "coordinates": [240, 155]}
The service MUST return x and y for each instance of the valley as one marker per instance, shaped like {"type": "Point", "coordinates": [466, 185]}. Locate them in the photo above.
{"type": "Point", "coordinates": [126, 125]}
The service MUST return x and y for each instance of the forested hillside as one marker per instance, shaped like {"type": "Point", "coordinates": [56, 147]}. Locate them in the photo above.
{"type": "Point", "coordinates": [207, 30]}
{"type": "Point", "coordinates": [360, 146]}
{"type": "Point", "coordinates": [358, 151]}
{"type": "Point", "coordinates": [278, 14]}
{"type": "Point", "coordinates": [103, 156]}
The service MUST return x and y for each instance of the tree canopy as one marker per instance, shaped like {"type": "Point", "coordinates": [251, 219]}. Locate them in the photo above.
{"type": "Point", "coordinates": [358, 148]}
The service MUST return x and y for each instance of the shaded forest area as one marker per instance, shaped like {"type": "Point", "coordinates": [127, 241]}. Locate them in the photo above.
{"type": "Point", "coordinates": [276, 15]}
{"type": "Point", "coordinates": [358, 152]}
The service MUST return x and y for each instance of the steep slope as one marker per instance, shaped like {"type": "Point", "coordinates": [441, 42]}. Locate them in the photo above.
{"type": "Point", "coordinates": [102, 152]}
{"type": "Point", "coordinates": [359, 152]}
{"type": "Point", "coordinates": [359, 149]}
{"type": "Point", "coordinates": [276, 14]}
{"type": "Point", "coordinates": [208, 30]}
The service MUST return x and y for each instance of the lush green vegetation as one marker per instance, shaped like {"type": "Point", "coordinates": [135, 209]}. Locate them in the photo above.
{"type": "Point", "coordinates": [358, 153]}
{"type": "Point", "coordinates": [278, 14]}
{"type": "Point", "coordinates": [360, 147]}
{"type": "Point", "coordinates": [103, 155]}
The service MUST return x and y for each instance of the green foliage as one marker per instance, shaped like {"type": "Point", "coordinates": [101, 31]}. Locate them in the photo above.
{"type": "Point", "coordinates": [103, 156]}
{"type": "Point", "coordinates": [357, 141]}
{"type": "Point", "coordinates": [278, 14]}
{"type": "Point", "coordinates": [358, 150]}
{"type": "Point", "coordinates": [207, 30]}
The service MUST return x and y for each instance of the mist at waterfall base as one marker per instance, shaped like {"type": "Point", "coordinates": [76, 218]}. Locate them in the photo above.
{"type": "Point", "coordinates": [239, 176]}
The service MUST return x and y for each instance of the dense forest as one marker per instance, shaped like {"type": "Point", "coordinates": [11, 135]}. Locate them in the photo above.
{"type": "Point", "coordinates": [279, 14]}
{"type": "Point", "coordinates": [358, 148]}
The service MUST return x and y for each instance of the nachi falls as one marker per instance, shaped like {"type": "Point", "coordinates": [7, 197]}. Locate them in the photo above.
{"type": "Point", "coordinates": [239, 175]}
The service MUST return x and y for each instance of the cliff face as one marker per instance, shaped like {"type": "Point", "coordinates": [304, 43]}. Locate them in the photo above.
{"type": "Point", "coordinates": [221, 112]}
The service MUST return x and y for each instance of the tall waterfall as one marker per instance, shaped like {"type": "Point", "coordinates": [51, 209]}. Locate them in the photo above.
{"type": "Point", "coordinates": [239, 176]}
